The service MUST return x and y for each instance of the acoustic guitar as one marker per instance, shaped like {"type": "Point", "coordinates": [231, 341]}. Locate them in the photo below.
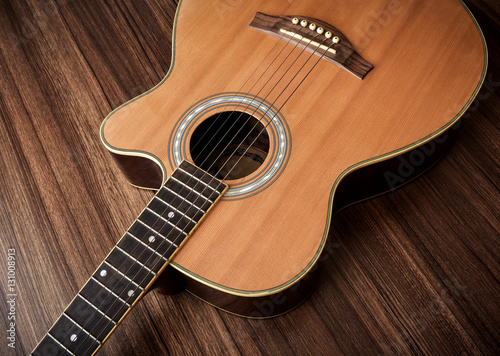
{"type": "Point", "coordinates": [266, 125]}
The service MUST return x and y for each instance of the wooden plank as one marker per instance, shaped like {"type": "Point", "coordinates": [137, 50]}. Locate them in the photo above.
{"type": "Point", "coordinates": [414, 271]}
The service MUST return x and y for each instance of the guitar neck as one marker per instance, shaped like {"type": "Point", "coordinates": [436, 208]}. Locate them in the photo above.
{"type": "Point", "coordinates": [135, 262]}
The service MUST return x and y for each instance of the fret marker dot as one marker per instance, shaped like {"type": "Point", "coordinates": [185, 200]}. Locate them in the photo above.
{"type": "Point", "coordinates": [73, 337]}
{"type": "Point", "coordinates": [171, 215]}
{"type": "Point", "coordinates": [151, 239]}
{"type": "Point", "coordinates": [130, 293]}
{"type": "Point", "coordinates": [103, 273]}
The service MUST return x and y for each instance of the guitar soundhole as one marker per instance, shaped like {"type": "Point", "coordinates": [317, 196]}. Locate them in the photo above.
{"type": "Point", "coordinates": [230, 145]}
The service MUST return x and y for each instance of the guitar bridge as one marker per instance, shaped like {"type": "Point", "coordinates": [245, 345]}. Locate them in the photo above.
{"type": "Point", "coordinates": [314, 36]}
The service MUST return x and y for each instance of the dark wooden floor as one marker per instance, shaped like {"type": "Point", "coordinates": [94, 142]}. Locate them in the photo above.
{"type": "Point", "coordinates": [412, 272]}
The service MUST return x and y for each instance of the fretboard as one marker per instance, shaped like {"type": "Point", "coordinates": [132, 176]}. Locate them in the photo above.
{"type": "Point", "coordinates": [134, 263]}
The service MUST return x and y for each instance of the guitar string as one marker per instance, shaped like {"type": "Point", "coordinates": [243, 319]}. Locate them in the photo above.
{"type": "Point", "coordinates": [266, 125]}
{"type": "Point", "coordinates": [253, 99]}
{"type": "Point", "coordinates": [281, 107]}
{"type": "Point", "coordinates": [83, 327]}
{"type": "Point", "coordinates": [264, 115]}
{"type": "Point", "coordinates": [240, 145]}
{"type": "Point", "coordinates": [241, 88]}
{"type": "Point", "coordinates": [256, 109]}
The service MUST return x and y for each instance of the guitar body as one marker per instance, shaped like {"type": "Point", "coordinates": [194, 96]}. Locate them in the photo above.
{"type": "Point", "coordinates": [266, 235]}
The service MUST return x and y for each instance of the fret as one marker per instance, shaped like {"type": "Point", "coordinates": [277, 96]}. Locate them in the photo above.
{"type": "Point", "coordinates": [184, 185]}
{"type": "Point", "coordinates": [134, 270]}
{"type": "Point", "coordinates": [168, 230]}
{"type": "Point", "coordinates": [209, 180]}
{"type": "Point", "coordinates": [57, 341]}
{"type": "Point", "coordinates": [187, 182]}
{"type": "Point", "coordinates": [142, 253]}
{"type": "Point", "coordinates": [81, 327]}
{"type": "Point", "coordinates": [118, 282]}
{"type": "Point", "coordinates": [139, 249]}
{"type": "Point", "coordinates": [190, 202]}
{"type": "Point", "coordinates": [182, 221]}
{"type": "Point", "coordinates": [101, 297]}
{"type": "Point", "coordinates": [191, 195]}
{"type": "Point", "coordinates": [167, 208]}
{"type": "Point", "coordinates": [49, 346]}
{"type": "Point", "coordinates": [135, 259]}
{"type": "Point", "coordinates": [73, 336]}
{"type": "Point", "coordinates": [180, 204]}
{"type": "Point", "coordinates": [205, 184]}
{"type": "Point", "coordinates": [91, 317]}
{"type": "Point", "coordinates": [157, 233]}
{"type": "Point", "coordinates": [166, 220]}
{"type": "Point", "coordinates": [110, 291]}
{"type": "Point", "coordinates": [104, 263]}
{"type": "Point", "coordinates": [79, 296]}
{"type": "Point", "coordinates": [159, 243]}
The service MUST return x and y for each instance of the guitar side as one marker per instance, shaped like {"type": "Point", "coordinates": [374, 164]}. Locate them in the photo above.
{"type": "Point", "coordinates": [237, 258]}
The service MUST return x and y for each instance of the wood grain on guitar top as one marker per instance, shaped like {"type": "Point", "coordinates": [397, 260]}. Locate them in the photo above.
{"type": "Point", "coordinates": [411, 272]}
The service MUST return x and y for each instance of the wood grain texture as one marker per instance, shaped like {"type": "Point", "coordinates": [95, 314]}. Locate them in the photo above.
{"type": "Point", "coordinates": [412, 272]}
